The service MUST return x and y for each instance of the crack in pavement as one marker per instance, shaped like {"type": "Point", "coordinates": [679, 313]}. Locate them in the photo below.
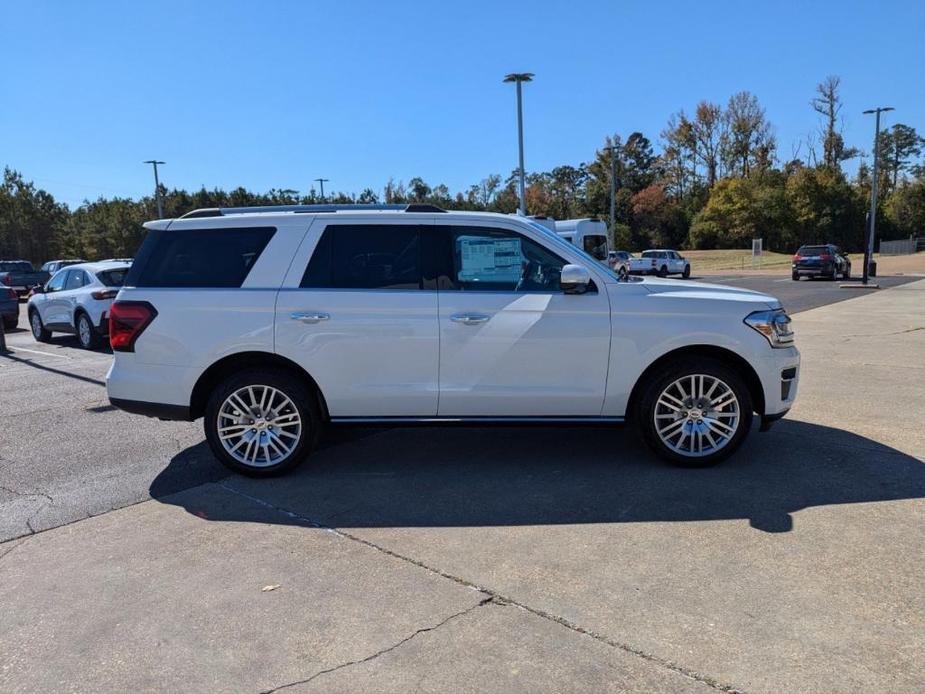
{"type": "Point", "coordinates": [498, 598]}
{"type": "Point", "coordinates": [383, 651]}
{"type": "Point", "coordinates": [49, 501]}
{"type": "Point", "coordinates": [21, 542]}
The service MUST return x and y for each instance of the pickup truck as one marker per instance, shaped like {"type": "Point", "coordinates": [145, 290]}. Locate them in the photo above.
{"type": "Point", "coordinates": [21, 276]}
{"type": "Point", "coordinates": [662, 263]}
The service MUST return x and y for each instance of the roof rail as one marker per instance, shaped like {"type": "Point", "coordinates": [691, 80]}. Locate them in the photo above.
{"type": "Point", "coordinates": [304, 209]}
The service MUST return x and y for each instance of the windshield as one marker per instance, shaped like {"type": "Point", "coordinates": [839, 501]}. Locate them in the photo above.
{"type": "Point", "coordinates": [595, 246]}
{"type": "Point", "coordinates": [562, 243]}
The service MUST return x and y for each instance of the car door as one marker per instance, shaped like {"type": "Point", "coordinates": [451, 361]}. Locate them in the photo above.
{"type": "Point", "coordinates": [45, 303]}
{"type": "Point", "coordinates": [75, 282]}
{"type": "Point", "coordinates": [512, 344]}
{"type": "Point", "coordinates": [354, 313]}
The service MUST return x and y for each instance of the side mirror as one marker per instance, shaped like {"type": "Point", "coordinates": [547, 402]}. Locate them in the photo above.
{"type": "Point", "coordinates": [574, 279]}
{"type": "Point", "coordinates": [38, 289]}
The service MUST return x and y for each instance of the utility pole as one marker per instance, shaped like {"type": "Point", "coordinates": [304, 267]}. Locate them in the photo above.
{"type": "Point", "coordinates": [322, 181]}
{"type": "Point", "coordinates": [612, 150]}
{"type": "Point", "coordinates": [157, 187]}
{"type": "Point", "coordinates": [519, 78]}
{"type": "Point", "coordinates": [872, 224]}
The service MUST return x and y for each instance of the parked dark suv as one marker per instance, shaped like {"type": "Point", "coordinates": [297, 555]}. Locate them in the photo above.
{"type": "Point", "coordinates": [824, 260]}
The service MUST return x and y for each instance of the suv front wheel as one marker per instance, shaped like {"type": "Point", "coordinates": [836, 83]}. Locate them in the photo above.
{"type": "Point", "coordinates": [695, 413]}
{"type": "Point", "coordinates": [262, 422]}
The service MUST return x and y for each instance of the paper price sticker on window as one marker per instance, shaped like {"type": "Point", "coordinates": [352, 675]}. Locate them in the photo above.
{"type": "Point", "coordinates": [489, 260]}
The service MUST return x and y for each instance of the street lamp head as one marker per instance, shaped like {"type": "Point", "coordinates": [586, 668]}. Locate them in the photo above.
{"type": "Point", "coordinates": [882, 109]}
{"type": "Point", "coordinates": [519, 77]}
{"type": "Point", "coordinates": [153, 161]}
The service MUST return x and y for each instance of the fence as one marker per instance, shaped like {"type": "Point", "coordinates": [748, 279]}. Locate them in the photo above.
{"type": "Point", "coordinates": [903, 247]}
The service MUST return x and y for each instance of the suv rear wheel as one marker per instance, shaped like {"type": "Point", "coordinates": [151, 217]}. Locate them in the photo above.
{"type": "Point", "coordinates": [262, 422]}
{"type": "Point", "coordinates": [695, 413]}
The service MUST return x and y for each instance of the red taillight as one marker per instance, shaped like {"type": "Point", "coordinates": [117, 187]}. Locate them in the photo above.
{"type": "Point", "coordinates": [796, 257]}
{"type": "Point", "coordinates": [13, 294]}
{"type": "Point", "coordinates": [105, 294]}
{"type": "Point", "coordinates": [825, 256]}
{"type": "Point", "coordinates": [6, 278]}
{"type": "Point", "coordinates": [127, 320]}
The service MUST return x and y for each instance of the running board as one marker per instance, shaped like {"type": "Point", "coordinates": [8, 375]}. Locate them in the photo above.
{"type": "Point", "coordinates": [471, 421]}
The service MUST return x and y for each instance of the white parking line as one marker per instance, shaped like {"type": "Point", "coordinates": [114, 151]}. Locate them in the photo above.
{"type": "Point", "coordinates": [36, 351]}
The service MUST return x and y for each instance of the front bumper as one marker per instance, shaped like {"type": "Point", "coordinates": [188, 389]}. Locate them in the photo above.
{"type": "Point", "coordinates": [779, 374]}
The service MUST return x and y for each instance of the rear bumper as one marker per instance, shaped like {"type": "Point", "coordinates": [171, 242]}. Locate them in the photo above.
{"type": "Point", "coordinates": [813, 270]}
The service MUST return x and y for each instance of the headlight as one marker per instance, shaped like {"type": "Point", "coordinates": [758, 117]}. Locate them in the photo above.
{"type": "Point", "coordinates": [774, 325]}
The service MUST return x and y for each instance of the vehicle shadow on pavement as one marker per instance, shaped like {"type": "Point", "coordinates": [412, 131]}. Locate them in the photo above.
{"type": "Point", "coordinates": [459, 477]}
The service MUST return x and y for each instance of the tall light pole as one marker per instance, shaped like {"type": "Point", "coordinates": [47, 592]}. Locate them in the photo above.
{"type": "Point", "coordinates": [612, 150]}
{"type": "Point", "coordinates": [519, 78]}
{"type": "Point", "coordinates": [869, 246]}
{"type": "Point", "coordinates": [157, 187]}
{"type": "Point", "coordinates": [322, 181]}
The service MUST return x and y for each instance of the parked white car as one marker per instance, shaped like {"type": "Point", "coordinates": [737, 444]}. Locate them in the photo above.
{"type": "Point", "coordinates": [274, 322]}
{"type": "Point", "coordinates": [663, 262]}
{"type": "Point", "coordinates": [76, 300]}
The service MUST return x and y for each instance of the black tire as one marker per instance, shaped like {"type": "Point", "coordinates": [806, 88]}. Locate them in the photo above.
{"type": "Point", "coordinates": [304, 400]}
{"type": "Point", "coordinates": [687, 272]}
{"type": "Point", "coordinates": [663, 271]}
{"type": "Point", "coordinates": [645, 410]}
{"type": "Point", "coordinates": [795, 276]}
{"type": "Point", "coordinates": [39, 331]}
{"type": "Point", "coordinates": [86, 332]}
{"type": "Point", "coordinates": [10, 324]}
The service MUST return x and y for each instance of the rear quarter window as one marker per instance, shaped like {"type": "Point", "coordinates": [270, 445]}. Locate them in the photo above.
{"type": "Point", "coordinates": [113, 278]}
{"type": "Point", "coordinates": [206, 258]}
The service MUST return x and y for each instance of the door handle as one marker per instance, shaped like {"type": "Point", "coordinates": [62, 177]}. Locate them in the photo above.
{"type": "Point", "coordinates": [469, 318]}
{"type": "Point", "coordinates": [310, 316]}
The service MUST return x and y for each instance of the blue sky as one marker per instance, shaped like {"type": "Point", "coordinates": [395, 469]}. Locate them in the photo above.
{"type": "Point", "coordinates": [275, 94]}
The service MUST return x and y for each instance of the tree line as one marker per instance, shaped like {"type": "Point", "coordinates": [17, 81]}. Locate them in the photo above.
{"type": "Point", "coordinates": [717, 180]}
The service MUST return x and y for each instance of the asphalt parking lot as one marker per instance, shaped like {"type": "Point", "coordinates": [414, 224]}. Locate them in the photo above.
{"type": "Point", "coordinates": [503, 559]}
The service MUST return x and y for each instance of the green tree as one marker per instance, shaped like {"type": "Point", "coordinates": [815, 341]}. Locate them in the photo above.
{"type": "Point", "coordinates": [899, 146]}
{"type": "Point", "coordinates": [741, 209]}
{"type": "Point", "coordinates": [825, 208]}
{"type": "Point", "coordinates": [906, 209]}
{"type": "Point", "coordinates": [749, 143]}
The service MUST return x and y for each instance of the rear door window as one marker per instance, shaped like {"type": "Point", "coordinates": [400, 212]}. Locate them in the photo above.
{"type": "Point", "coordinates": [214, 258]}
{"type": "Point", "coordinates": [366, 256]}
{"type": "Point", "coordinates": [75, 280]}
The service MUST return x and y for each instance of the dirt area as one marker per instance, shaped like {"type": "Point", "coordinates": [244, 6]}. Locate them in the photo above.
{"type": "Point", "coordinates": [739, 263]}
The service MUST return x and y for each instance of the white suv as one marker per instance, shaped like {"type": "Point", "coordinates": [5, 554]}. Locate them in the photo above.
{"type": "Point", "coordinates": [273, 322]}
{"type": "Point", "coordinates": [77, 300]}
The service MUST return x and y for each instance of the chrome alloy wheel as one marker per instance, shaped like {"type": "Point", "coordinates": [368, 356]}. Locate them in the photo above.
{"type": "Point", "coordinates": [259, 426]}
{"type": "Point", "coordinates": [36, 323]}
{"type": "Point", "coordinates": [697, 415]}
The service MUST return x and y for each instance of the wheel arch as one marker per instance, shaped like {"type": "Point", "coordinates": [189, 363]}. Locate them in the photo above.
{"type": "Point", "coordinates": [232, 363]}
{"type": "Point", "coordinates": [722, 354]}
